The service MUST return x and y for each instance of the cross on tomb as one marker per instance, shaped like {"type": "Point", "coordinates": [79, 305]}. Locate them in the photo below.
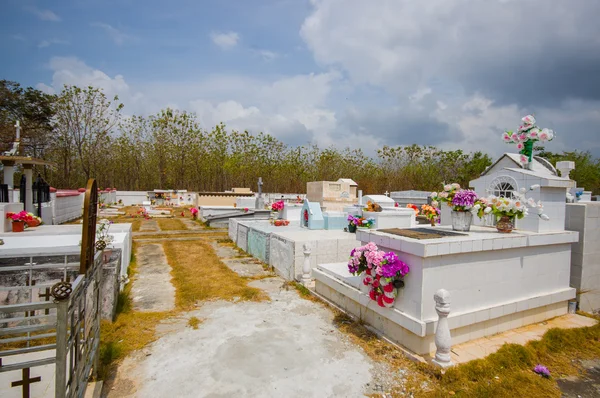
{"type": "Point", "coordinates": [25, 382]}
{"type": "Point", "coordinates": [46, 296]}
{"type": "Point", "coordinates": [387, 193]}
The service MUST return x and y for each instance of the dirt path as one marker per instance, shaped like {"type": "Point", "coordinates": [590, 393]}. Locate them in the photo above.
{"type": "Point", "coordinates": [285, 347]}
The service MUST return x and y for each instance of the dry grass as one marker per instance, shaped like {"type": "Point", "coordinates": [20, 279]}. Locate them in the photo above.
{"type": "Point", "coordinates": [170, 224]}
{"type": "Point", "coordinates": [193, 322]}
{"type": "Point", "coordinates": [208, 237]}
{"type": "Point", "coordinates": [198, 274]}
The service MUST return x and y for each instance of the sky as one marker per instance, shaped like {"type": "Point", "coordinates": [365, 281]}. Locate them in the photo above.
{"type": "Point", "coordinates": [347, 73]}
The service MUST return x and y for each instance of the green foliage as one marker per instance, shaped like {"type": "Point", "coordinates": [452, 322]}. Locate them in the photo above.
{"type": "Point", "coordinates": [587, 168]}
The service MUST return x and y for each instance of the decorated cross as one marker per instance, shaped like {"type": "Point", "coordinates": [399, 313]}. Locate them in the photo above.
{"type": "Point", "coordinates": [525, 136]}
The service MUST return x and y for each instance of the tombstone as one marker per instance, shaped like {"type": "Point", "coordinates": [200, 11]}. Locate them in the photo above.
{"type": "Point", "coordinates": [260, 201]}
{"type": "Point", "coordinates": [508, 175]}
{"type": "Point", "coordinates": [311, 216]}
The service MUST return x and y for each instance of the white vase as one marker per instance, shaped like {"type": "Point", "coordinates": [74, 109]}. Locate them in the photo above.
{"type": "Point", "coordinates": [461, 220]}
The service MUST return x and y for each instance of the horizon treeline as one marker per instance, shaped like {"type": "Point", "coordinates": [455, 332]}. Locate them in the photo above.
{"type": "Point", "coordinates": [84, 134]}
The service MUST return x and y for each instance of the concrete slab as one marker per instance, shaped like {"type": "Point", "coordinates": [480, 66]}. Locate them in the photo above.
{"type": "Point", "coordinates": [480, 348]}
{"type": "Point", "coordinates": [149, 225]}
{"type": "Point", "coordinates": [283, 348]}
{"type": "Point", "coordinates": [152, 289]}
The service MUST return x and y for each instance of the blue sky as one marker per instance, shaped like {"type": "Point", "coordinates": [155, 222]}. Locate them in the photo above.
{"type": "Point", "coordinates": [451, 73]}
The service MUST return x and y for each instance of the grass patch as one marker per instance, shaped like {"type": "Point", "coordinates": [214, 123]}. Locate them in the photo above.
{"type": "Point", "coordinates": [193, 322]}
{"type": "Point", "coordinates": [208, 236]}
{"type": "Point", "coordinates": [170, 224]}
{"type": "Point", "coordinates": [198, 274]}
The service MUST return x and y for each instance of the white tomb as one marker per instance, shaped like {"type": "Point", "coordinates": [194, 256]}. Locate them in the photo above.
{"type": "Point", "coordinates": [381, 200]}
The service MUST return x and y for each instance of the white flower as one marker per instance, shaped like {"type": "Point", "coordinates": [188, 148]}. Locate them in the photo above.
{"type": "Point", "coordinates": [435, 203]}
{"type": "Point", "coordinates": [477, 206]}
{"type": "Point", "coordinates": [447, 187]}
{"type": "Point", "coordinates": [534, 186]}
{"type": "Point", "coordinates": [522, 190]}
{"type": "Point", "coordinates": [528, 120]}
{"type": "Point", "coordinates": [433, 195]}
{"type": "Point", "coordinates": [544, 217]}
{"type": "Point", "coordinates": [455, 186]}
{"type": "Point", "coordinates": [531, 202]}
{"type": "Point", "coordinates": [487, 210]}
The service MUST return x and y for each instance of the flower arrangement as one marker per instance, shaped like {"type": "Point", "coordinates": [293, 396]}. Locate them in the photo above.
{"type": "Point", "coordinates": [383, 272]}
{"type": "Point", "coordinates": [103, 238]}
{"type": "Point", "coordinates": [446, 195]}
{"type": "Point", "coordinates": [194, 212]}
{"type": "Point", "coordinates": [414, 207]}
{"type": "Point", "coordinates": [245, 210]}
{"type": "Point", "coordinates": [277, 206]}
{"type": "Point", "coordinates": [365, 222]}
{"type": "Point", "coordinates": [511, 207]}
{"type": "Point", "coordinates": [353, 220]}
{"type": "Point", "coordinates": [463, 200]}
{"type": "Point", "coordinates": [542, 371]}
{"type": "Point", "coordinates": [372, 207]}
{"type": "Point", "coordinates": [525, 136]}
{"type": "Point", "coordinates": [432, 213]}
{"type": "Point", "coordinates": [23, 216]}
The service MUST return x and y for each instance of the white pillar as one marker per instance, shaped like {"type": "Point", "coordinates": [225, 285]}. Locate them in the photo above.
{"type": "Point", "coordinates": [9, 174]}
{"type": "Point", "coordinates": [306, 268]}
{"type": "Point", "coordinates": [360, 197]}
{"type": "Point", "coordinates": [443, 340]}
{"type": "Point", "coordinates": [28, 171]}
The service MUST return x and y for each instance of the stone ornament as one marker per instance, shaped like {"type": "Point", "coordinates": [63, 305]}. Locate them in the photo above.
{"type": "Point", "coordinates": [443, 340]}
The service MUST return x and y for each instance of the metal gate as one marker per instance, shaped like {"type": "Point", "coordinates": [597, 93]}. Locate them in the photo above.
{"type": "Point", "coordinates": [59, 322]}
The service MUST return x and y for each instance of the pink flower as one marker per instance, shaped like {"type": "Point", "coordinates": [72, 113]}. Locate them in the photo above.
{"type": "Point", "coordinates": [520, 145]}
{"type": "Point", "coordinates": [523, 137]}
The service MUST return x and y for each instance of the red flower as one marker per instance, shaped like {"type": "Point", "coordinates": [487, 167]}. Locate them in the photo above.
{"type": "Point", "coordinates": [372, 295]}
{"type": "Point", "coordinates": [387, 299]}
{"type": "Point", "coordinates": [388, 288]}
{"type": "Point", "coordinates": [380, 300]}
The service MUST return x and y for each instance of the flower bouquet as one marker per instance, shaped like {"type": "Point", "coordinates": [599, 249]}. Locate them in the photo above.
{"type": "Point", "coordinates": [432, 214]}
{"type": "Point", "coordinates": [462, 204]}
{"type": "Point", "coordinates": [414, 207]}
{"type": "Point", "coordinates": [22, 219]}
{"type": "Point", "coordinates": [277, 206]}
{"type": "Point", "coordinates": [365, 222]}
{"type": "Point", "coordinates": [353, 222]}
{"type": "Point", "coordinates": [372, 207]}
{"type": "Point", "coordinates": [446, 195]}
{"type": "Point", "coordinates": [103, 238]}
{"type": "Point", "coordinates": [382, 272]}
{"type": "Point", "coordinates": [507, 209]}
{"type": "Point", "coordinates": [194, 212]}
{"type": "Point", "coordinates": [525, 136]}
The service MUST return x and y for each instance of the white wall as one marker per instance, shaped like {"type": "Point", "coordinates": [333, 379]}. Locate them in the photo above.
{"type": "Point", "coordinates": [67, 208]}
{"type": "Point", "coordinates": [130, 198]}
{"type": "Point", "coordinates": [585, 254]}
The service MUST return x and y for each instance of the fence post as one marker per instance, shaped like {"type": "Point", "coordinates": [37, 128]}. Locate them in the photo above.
{"type": "Point", "coordinates": [62, 312]}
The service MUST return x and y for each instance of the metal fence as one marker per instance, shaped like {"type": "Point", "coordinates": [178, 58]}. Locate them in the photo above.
{"type": "Point", "coordinates": [67, 331]}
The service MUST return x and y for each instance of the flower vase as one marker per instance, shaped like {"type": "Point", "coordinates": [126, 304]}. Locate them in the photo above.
{"type": "Point", "coordinates": [18, 226]}
{"type": "Point", "coordinates": [280, 215]}
{"type": "Point", "coordinates": [461, 220]}
{"type": "Point", "coordinates": [352, 228]}
{"type": "Point", "coordinates": [505, 225]}
{"type": "Point", "coordinates": [432, 221]}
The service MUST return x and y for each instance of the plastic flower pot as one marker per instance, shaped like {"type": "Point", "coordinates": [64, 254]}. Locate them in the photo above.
{"type": "Point", "coordinates": [352, 228]}
{"type": "Point", "coordinates": [18, 226]}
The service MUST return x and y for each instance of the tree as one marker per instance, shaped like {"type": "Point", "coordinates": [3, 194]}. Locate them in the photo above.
{"type": "Point", "coordinates": [84, 121]}
{"type": "Point", "coordinates": [33, 109]}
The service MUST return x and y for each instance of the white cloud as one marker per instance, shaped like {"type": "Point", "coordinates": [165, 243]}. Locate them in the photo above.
{"type": "Point", "coordinates": [115, 34]}
{"type": "Point", "coordinates": [49, 42]}
{"type": "Point", "coordinates": [18, 37]}
{"type": "Point", "coordinates": [293, 109]}
{"type": "Point", "coordinates": [226, 40]}
{"type": "Point", "coordinates": [44, 15]}
{"type": "Point", "coordinates": [267, 55]}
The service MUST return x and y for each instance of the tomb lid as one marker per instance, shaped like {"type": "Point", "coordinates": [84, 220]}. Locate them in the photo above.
{"type": "Point", "coordinates": [541, 167]}
{"type": "Point", "coordinates": [348, 181]}
{"type": "Point", "coordinates": [381, 200]}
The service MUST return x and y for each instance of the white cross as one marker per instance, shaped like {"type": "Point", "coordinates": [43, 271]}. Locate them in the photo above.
{"type": "Point", "coordinates": [18, 127]}
{"type": "Point", "coordinates": [387, 193]}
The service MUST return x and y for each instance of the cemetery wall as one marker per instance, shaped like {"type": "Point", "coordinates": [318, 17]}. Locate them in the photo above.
{"type": "Point", "coordinates": [67, 206]}
{"type": "Point", "coordinates": [218, 198]}
{"type": "Point", "coordinates": [131, 198]}
{"type": "Point", "coordinates": [585, 254]}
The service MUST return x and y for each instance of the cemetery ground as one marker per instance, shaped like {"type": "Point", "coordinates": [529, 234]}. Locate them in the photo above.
{"type": "Point", "coordinates": [213, 321]}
